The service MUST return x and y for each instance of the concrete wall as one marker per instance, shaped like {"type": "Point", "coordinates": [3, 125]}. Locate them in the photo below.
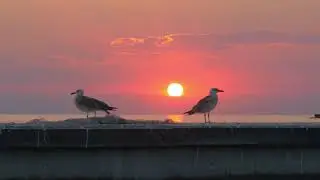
{"type": "Point", "coordinates": [158, 163]}
{"type": "Point", "coordinates": [158, 152]}
{"type": "Point", "coordinates": [169, 136]}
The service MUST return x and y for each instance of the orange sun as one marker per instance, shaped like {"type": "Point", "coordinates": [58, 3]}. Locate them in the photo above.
{"type": "Point", "coordinates": [175, 90]}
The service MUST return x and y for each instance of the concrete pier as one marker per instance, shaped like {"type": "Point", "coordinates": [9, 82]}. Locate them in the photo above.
{"type": "Point", "coordinates": [125, 151]}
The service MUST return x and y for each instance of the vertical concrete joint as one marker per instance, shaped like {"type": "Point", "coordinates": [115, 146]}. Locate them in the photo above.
{"type": "Point", "coordinates": [196, 156]}
{"type": "Point", "coordinates": [44, 134]}
{"type": "Point", "coordinates": [301, 162]}
{"type": "Point", "coordinates": [87, 137]}
{"type": "Point", "coordinates": [38, 138]}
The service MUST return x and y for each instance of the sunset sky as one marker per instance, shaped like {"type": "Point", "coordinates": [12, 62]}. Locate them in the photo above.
{"type": "Point", "coordinates": [265, 54]}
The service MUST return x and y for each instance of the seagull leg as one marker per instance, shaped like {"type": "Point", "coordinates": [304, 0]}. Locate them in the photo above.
{"type": "Point", "coordinates": [95, 114]}
{"type": "Point", "coordinates": [87, 115]}
{"type": "Point", "coordinates": [209, 117]}
{"type": "Point", "coordinates": [205, 118]}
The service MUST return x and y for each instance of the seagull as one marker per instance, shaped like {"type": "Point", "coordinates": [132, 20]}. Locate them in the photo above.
{"type": "Point", "coordinates": [88, 104]}
{"type": "Point", "coordinates": [316, 116]}
{"type": "Point", "coordinates": [206, 104]}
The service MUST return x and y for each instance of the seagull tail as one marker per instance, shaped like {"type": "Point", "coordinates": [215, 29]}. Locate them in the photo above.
{"type": "Point", "coordinates": [189, 112]}
{"type": "Point", "coordinates": [112, 108]}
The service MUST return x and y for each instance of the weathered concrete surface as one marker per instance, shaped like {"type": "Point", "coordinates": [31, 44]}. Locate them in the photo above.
{"type": "Point", "coordinates": [170, 135]}
{"type": "Point", "coordinates": [158, 163]}
{"type": "Point", "coordinates": [149, 151]}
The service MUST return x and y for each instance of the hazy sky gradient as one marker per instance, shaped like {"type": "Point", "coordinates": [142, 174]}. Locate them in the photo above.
{"type": "Point", "coordinates": [264, 54]}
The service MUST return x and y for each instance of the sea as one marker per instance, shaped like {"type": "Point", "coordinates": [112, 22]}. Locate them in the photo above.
{"type": "Point", "coordinates": [178, 118]}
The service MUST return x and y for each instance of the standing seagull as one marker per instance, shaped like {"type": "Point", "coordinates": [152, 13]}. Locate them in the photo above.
{"type": "Point", "coordinates": [206, 104]}
{"type": "Point", "coordinates": [87, 104]}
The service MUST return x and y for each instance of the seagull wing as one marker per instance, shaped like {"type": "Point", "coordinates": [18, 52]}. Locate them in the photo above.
{"type": "Point", "coordinates": [201, 104]}
{"type": "Point", "coordinates": [93, 103]}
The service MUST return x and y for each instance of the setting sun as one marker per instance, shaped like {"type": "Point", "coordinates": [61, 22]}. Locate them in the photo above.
{"type": "Point", "coordinates": [175, 89]}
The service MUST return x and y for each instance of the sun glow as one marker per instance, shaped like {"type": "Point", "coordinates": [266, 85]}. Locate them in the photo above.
{"type": "Point", "coordinates": [175, 90]}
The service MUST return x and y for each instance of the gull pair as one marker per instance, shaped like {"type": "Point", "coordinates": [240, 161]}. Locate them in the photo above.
{"type": "Point", "coordinates": [88, 104]}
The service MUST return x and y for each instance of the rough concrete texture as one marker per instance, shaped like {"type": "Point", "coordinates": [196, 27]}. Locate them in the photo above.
{"type": "Point", "coordinates": [81, 122]}
{"type": "Point", "coordinates": [158, 163]}
{"type": "Point", "coordinates": [170, 135]}
{"type": "Point", "coordinates": [158, 151]}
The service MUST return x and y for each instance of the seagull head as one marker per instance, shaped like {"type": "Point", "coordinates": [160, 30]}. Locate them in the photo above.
{"type": "Point", "coordinates": [215, 90]}
{"type": "Point", "coordinates": [78, 92]}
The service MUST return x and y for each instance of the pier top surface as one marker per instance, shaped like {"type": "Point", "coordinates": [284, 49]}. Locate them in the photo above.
{"type": "Point", "coordinates": [85, 134]}
{"type": "Point", "coordinates": [162, 126]}
{"type": "Point", "coordinates": [119, 123]}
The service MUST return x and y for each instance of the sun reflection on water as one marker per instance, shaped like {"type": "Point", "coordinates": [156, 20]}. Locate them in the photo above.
{"type": "Point", "coordinates": [176, 118]}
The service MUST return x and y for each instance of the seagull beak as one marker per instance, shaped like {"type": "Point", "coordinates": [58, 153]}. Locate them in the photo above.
{"type": "Point", "coordinates": [219, 90]}
{"type": "Point", "coordinates": [72, 93]}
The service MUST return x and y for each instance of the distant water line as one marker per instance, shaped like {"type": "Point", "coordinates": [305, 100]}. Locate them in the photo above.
{"type": "Point", "coordinates": [5, 118]}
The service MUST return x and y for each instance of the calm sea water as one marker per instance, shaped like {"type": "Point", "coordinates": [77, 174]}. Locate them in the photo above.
{"type": "Point", "coordinates": [18, 118]}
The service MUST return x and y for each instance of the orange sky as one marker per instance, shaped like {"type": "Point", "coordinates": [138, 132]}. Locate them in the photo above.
{"type": "Point", "coordinates": [126, 52]}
